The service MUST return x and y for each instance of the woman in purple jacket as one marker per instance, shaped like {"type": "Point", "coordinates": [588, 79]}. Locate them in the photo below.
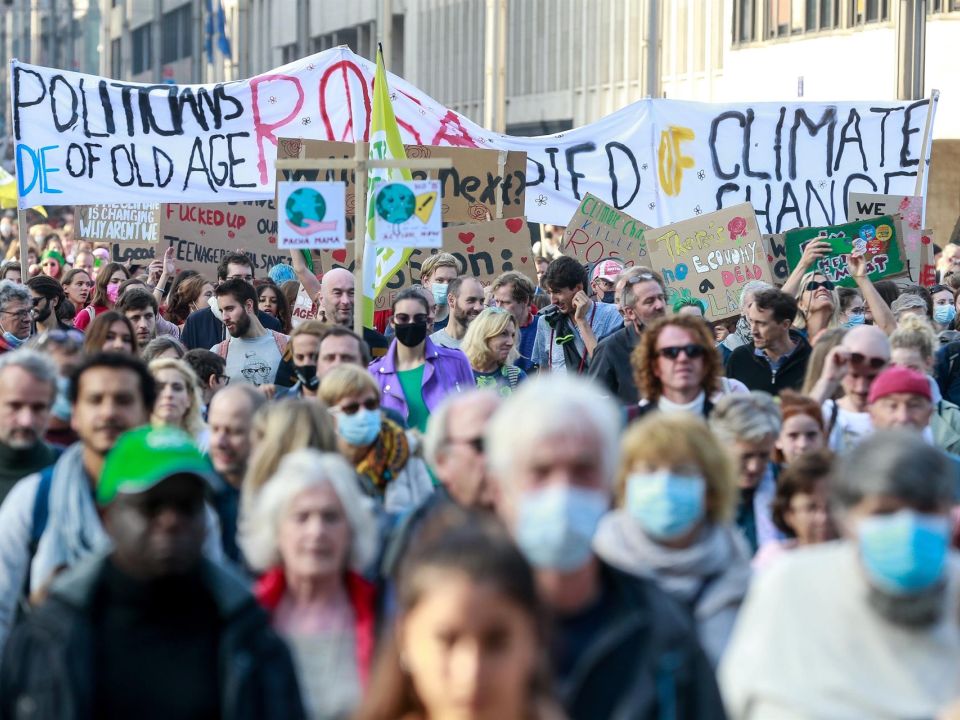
{"type": "Point", "coordinates": [415, 375]}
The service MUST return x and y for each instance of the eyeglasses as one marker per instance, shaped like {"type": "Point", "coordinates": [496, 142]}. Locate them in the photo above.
{"type": "Point", "coordinates": [20, 315]}
{"type": "Point", "coordinates": [60, 338]}
{"type": "Point", "coordinates": [352, 408]}
{"type": "Point", "coordinates": [692, 351]}
{"type": "Point", "coordinates": [245, 278]}
{"type": "Point", "coordinates": [813, 285]}
{"type": "Point", "coordinates": [225, 379]}
{"type": "Point", "coordinates": [476, 443]}
{"type": "Point", "coordinates": [874, 363]}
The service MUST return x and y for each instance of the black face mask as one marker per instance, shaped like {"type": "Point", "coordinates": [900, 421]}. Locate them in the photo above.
{"type": "Point", "coordinates": [411, 334]}
{"type": "Point", "coordinates": [609, 297]}
{"type": "Point", "coordinates": [307, 375]}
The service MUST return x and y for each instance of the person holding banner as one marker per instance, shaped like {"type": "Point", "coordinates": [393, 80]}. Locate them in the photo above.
{"type": "Point", "coordinates": [105, 294]}
{"type": "Point", "coordinates": [415, 375]}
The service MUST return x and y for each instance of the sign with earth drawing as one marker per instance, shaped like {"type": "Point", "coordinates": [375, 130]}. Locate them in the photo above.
{"type": "Point", "coordinates": [407, 214]}
{"type": "Point", "coordinates": [311, 215]}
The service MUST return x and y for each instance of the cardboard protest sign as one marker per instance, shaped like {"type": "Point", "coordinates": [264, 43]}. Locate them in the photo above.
{"type": "Point", "coordinates": [483, 250]}
{"type": "Point", "coordinates": [303, 309]}
{"type": "Point", "coordinates": [598, 230]}
{"type": "Point", "coordinates": [861, 206]}
{"type": "Point", "coordinates": [878, 239]}
{"type": "Point", "coordinates": [480, 184]}
{"type": "Point", "coordinates": [312, 215]}
{"type": "Point", "coordinates": [710, 257]}
{"type": "Point", "coordinates": [120, 223]}
{"type": "Point", "coordinates": [776, 248]}
{"type": "Point", "coordinates": [407, 214]}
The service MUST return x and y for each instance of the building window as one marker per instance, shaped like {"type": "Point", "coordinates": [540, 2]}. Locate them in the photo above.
{"type": "Point", "coordinates": [744, 24]}
{"type": "Point", "coordinates": [116, 60]}
{"type": "Point", "coordinates": [869, 11]}
{"type": "Point", "coordinates": [288, 53]}
{"type": "Point", "coordinates": [142, 42]}
{"type": "Point", "coordinates": [177, 35]}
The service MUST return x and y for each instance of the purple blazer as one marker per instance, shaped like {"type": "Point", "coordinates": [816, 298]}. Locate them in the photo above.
{"type": "Point", "coordinates": [447, 371]}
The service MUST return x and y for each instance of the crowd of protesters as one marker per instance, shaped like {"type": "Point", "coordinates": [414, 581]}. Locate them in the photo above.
{"type": "Point", "coordinates": [569, 498]}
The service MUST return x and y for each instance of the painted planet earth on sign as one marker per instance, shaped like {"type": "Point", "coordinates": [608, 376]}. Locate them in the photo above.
{"type": "Point", "coordinates": [396, 203]}
{"type": "Point", "coordinates": [305, 209]}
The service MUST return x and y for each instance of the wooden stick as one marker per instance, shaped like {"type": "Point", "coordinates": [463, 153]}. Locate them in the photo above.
{"type": "Point", "coordinates": [359, 235]}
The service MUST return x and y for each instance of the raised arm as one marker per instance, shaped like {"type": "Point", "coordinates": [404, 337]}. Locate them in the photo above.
{"type": "Point", "coordinates": [882, 314]}
{"type": "Point", "coordinates": [307, 279]}
{"type": "Point", "coordinates": [811, 253]}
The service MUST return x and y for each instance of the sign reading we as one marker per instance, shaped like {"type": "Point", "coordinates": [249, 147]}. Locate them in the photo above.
{"type": "Point", "coordinates": [598, 230]}
{"type": "Point", "coordinates": [710, 257]}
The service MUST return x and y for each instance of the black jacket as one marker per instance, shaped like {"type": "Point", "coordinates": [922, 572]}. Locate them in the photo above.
{"type": "Point", "coordinates": [610, 364]}
{"type": "Point", "coordinates": [755, 372]}
{"type": "Point", "coordinates": [644, 663]}
{"type": "Point", "coordinates": [49, 666]}
{"type": "Point", "coordinates": [203, 330]}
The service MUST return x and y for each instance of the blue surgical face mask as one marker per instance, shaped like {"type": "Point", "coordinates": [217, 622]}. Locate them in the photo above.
{"type": "Point", "coordinates": [440, 293]}
{"type": "Point", "coordinates": [361, 428]}
{"type": "Point", "coordinates": [12, 340]}
{"type": "Point", "coordinates": [854, 320]}
{"type": "Point", "coordinates": [555, 526]}
{"type": "Point", "coordinates": [905, 552]}
{"type": "Point", "coordinates": [61, 403]}
{"type": "Point", "coordinates": [667, 505]}
{"type": "Point", "coordinates": [944, 314]}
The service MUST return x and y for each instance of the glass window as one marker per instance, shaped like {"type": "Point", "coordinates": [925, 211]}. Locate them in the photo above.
{"type": "Point", "coordinates": [142, 42]}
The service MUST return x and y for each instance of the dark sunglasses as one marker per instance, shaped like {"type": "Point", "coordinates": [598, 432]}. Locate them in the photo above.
{"type": "Point", "coordinates": [60, 337]}
{"type": "Point", "coordinates": [692, 351]}
{"type": "Point", "coordinates": [476, 443]}
{"type": "Point", "coordinates": [813, 285]}
{"type": "Point", "coordinates": [352, 408]}
{"type": "Point", "coordinates": [859, 360]}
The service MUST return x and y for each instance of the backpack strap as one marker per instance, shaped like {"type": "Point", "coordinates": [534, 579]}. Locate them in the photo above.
{"type": "Point", "coordinates": [38, 523]}
{"type": "Point", "coordinates": [834, 411]}
{"type": "Point", "coordinates": [281, 340]}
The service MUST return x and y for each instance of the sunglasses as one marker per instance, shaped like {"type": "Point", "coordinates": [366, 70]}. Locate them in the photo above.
{"type": "Point", "coordinates": [476, 443]}
{"type": "Point", "coordinates": [642, 277]}
{"type": "Point", "coordinates": [813, 285]}
{"type": "Point", "coordinates": [352, 408]}
{"type": "Point", "coordinates": [860, 360]}
{"type": "Point", "coordinates": [692, 351]}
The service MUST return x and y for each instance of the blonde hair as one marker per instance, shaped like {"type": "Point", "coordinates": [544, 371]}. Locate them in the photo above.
{"type": "Point", "coordinates": [280, 428]}
{"type": "Point", "coordinates": [486, 326]}
{"type": "Point", "coordinates": [433, 262]}
{"type": "Point", "coordinates": [192, 422]}
{"type": "Point", "coordinates": [801, 320]}
{"type": "Point", "coordinates": [345, 381]}
{"type": "Point", "coordinates": [675, 440]}
{"type": "Point", "coordinates": [914, 333]}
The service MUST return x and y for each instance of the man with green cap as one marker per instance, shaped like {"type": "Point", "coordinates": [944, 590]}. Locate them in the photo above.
{"type": "Point", "coordinates": [150, 629]}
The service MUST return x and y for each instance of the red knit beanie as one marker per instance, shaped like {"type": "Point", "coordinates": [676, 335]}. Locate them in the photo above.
{"type": "Point", "coordinates": [899, 380]}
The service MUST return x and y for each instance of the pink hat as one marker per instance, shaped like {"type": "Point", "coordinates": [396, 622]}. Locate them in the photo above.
{"type": "Point", "coordinates": [606, 270]}
{"type": "Point", "coordinates": [899, 380]}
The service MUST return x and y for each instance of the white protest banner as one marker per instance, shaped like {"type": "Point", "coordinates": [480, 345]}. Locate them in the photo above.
{"type": "Point", "coordinates": [82, 139]}
{"type": "Point", "coordinates": [120, 223]}
{"type": "Point", "coordinates": [861, 206]}
{"type": "Point", "coordinates": [407, 214]}
{"type": "Point", "coordinates": [312, 215]}
{"type": "Point", "coordinates": [303, 309]}
{"type": "Point", "coordinates": [710, 257]}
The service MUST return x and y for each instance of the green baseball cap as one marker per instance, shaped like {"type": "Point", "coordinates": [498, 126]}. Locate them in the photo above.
{"type": "Point", "coordinates": [144, 457]}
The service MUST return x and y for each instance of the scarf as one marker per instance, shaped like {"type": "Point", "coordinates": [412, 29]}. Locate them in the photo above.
{"type": "Point", "coordinates": [73, 531]}
{"type": "Point", "coordinates": [388, 456]}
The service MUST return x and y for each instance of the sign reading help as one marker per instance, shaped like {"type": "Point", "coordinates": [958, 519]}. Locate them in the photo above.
{"type": "Point", "coordinates": [710, 257]}
{"type": "Point", "coordinates": [407, 214]}
{"type": "Point", "coordinates": [878, 239]}
{"type": "Point", "coordinates": [598, 230]}
{"type": "Point", "coordinates": [120, 223]}
{"type": "Point", "coordinates": [312, 215]}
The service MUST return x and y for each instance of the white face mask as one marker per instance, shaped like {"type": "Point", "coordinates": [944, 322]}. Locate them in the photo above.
{"type": "Point", "coordinates": [215, 307]}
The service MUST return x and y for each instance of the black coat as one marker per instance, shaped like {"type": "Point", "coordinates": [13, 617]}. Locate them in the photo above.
{"type": "Point", "coordinates": [49, 665]}
{"type": "Point", "coordinates": [644, 663]}
{"type": "Point", "coordinates": [755, 372]}
{"type": "Point", "coordinates": [610, 364]}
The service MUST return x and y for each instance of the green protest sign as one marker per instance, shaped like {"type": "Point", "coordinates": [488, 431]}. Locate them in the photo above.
{"type": "Point", "coordinates": [879, 239]}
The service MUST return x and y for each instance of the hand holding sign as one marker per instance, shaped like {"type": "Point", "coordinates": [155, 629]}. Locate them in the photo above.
{"type": "Point", "coordinates": [857, 264]}
{"type": "Point", "coordinates": [169, 264]}
{"type": "Point", "coordinates": [812, 253]}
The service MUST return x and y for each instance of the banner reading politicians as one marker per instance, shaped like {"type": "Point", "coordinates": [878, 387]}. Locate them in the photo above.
{"type": "Point", "coordinates": [82, 139]}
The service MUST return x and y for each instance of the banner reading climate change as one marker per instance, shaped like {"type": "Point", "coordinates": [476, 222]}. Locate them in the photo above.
{"type": "Point", "coordinates": [83, 139]}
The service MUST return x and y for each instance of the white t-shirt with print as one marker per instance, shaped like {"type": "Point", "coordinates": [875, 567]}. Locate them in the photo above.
{"type": "Point", "coordinates": [252, 360]}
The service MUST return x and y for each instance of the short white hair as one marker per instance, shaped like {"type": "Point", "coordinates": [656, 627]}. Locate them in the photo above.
{"type": "Point", "coordinates": [302, 470]}
{"type": "Point", "coordinates": [549, 405]}
{"type": "Point", "coordinates": [437, 437]}
{"type": "Point", "coordinates": [752, 418]}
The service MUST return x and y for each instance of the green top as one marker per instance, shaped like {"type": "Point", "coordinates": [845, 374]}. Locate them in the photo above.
{"type": "Point", "coordinates": [411, 381]}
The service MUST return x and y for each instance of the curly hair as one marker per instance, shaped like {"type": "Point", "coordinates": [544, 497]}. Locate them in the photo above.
{"type": "Point", "coordinates": [643, 358]}
{"type": "Point", "coordinates": [186, 293]}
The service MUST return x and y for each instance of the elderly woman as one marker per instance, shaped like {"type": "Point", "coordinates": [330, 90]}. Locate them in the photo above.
{"type": "Point", "coordinates": [179, 400]}
{"type": "Point", "coordinates": [384, 455]}
{"type": "Point", "coordinates": [747, 426]}
{"type": "Point", "coordinates": [866, 627]}
{"type": "Point", "coordinates": [800, 508]}
{"type": "Point", "coordinates": [312, 533]}
{"type": "Point", "coordinates": [676, 495]}
{"type": "Point", "coordinates": [489, 345]}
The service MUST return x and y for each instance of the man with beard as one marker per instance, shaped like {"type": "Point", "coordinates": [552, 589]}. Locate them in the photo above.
{"type": "Point", "coordinates": [338, 293]}
{"type": "Point", "coordinates": [252, 353]}
{"type": "Point", "coordinates": [869, 623]}
{"type": "Point", "coordinates": [231, 419]}
{"type": "Point", "coordinates": [140, 308]}
{"type": "Point", "coordinates": [643, 300]}
{"type": "Point", "coordinates": [465, 298]}
{"type": "Point", "coordinates": [574, 324]}
{"type": "Point", "coordinates": [28, 385]}
{"type": "Point", "coordinates": [49, 299]}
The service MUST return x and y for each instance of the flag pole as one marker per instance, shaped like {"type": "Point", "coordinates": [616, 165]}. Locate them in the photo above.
{"type": "Point", "coordinates": [359, 234]}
